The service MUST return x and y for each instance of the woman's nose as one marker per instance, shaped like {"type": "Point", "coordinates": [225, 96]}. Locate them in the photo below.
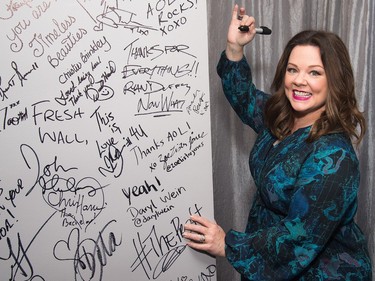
{"type": "Point", "coordinates": [300, 78]}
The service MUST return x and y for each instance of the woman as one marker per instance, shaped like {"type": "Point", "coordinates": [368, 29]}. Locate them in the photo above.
{"type": "Point", "coordinates": [300, 226]}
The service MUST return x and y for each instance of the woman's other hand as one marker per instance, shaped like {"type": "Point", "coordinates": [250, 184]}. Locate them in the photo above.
{"type": "Point", "coordinates": [205, 235]}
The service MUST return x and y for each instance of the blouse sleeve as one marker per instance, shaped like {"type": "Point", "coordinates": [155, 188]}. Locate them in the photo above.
{"type": "Point", "coordinates": [325, 197]}
{"type": "Point", "coordinates": [247, 101]}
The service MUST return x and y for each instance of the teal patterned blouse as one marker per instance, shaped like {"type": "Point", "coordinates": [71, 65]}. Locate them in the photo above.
{"type": "Point", "coordinates": [300, 226]}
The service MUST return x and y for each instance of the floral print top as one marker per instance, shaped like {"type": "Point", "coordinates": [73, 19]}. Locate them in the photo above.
{"type": "Point", "coordinates": [300, 226]}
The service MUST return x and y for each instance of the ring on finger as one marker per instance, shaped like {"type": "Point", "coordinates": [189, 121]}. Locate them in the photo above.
{"type": "Point", "coordinates": [202, 238]}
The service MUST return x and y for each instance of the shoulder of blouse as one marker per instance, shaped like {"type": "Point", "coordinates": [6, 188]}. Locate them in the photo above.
{"type": "Point", "coordinates": [335, 142]}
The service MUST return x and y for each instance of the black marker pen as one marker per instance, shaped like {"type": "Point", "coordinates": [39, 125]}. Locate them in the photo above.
{"type": "Point", "coordinates": [259, 30]}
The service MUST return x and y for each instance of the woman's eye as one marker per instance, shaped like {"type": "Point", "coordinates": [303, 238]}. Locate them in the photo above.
{"type": "Point", "coordinates": [291, 70]}
{"type": "Point", "coordinates": [315, 73]}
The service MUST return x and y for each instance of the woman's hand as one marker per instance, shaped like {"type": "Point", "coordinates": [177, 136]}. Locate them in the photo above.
{"type": "Point", "coordinates": [237, 39]}
{"type": "Point", "coordinates": [205, 235]}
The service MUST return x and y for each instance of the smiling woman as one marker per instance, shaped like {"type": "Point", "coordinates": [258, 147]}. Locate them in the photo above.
{"type": "Point", "coordinates": [301, 223]}
{"type": "Point", "coordinates": [306, 85]}
{"type": "Point", "coordinates": [309, 55]}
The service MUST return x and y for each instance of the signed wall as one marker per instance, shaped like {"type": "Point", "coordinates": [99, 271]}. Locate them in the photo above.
{"type": "Point", "coordinates": [105, 139]}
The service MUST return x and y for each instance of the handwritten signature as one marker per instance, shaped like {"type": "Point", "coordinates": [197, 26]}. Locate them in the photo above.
{"type": "Point", "coordinates": [20, 76]}
{"type": "Point", "coordinates": [88, 256]}
{"type": "Point", "coordinates": [22, 263]}
{"type": "Point", "coordinates": [80, 200]}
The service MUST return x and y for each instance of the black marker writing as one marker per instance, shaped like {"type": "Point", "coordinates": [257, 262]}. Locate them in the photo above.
{"type": "Point", "coordinates": [161, 70]}
{"type": "Point", "coordinates": [165, 247]}
{"type": "Point", "coordinates": [111, 153]}
{"type": "Point", "coordinates": [140, 190]}
{"type": "Point", "coordinates": [88, 256]}
{"type": "Point", "coordinates": [22, 262]}
{"type": "Point", "coordinates": [20, 76]}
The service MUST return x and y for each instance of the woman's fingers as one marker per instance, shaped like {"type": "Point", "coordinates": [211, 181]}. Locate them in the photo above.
{"type": "Point", "coordinates": [195, 236]}
{"type": "Point", "coordinates": [194, 228]}
{"type": "Point", "coordinates": [201, 220]}
{"type": "Point", "coordinates": [205, 235]}
{"type": "Point", "coordinates": [235, 12]}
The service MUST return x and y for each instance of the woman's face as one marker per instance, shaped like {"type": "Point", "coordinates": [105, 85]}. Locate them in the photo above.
{"type": "Point", "coordinates": [306, 83]}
